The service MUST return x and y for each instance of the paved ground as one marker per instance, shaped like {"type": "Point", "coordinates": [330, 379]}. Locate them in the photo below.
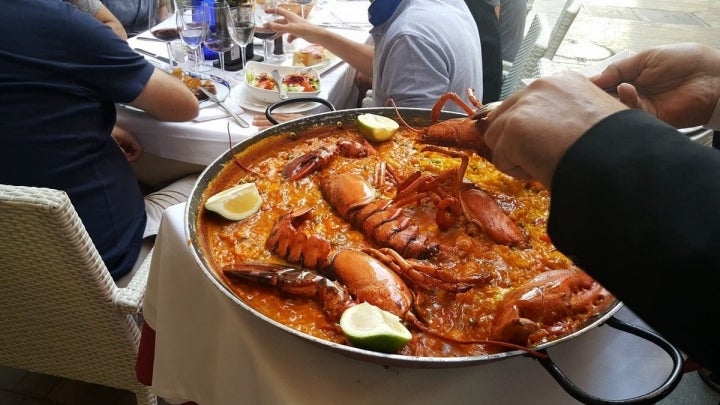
{"type": "Point", "coordinates": [601, 29]}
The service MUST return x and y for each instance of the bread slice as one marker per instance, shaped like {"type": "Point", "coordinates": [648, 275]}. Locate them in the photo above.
{"type": "Point", "coordinates": [310, 55]}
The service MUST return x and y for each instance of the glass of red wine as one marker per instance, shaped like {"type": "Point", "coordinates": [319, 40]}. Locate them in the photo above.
{"type": "Point", "coordinates": [161, 22]}
{"type": "Point", "coordinates": [220, 27]}
{"type": "Point", "coordinates": [263, 32]}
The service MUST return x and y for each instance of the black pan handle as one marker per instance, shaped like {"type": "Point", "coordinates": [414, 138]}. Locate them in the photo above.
{"type": "Point", "coordinates": [272, 107]}
{"type": "Point", "coordinates": [649, 398]}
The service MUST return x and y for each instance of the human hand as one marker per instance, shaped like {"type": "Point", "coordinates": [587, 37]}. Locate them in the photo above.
{"type": "Point", "coordinates": [262, 122]}
{"type": "Point", "coordinates": [128, 143]}
{"type": "Point", "coordinates": [678, 83]}
{"type": "Point", "coordinates": [532, 129]}
{"type": "Point", "coordinates": [293, 25]}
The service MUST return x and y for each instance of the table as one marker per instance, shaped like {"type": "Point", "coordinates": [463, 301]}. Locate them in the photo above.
{"type": "Point", "coordinates": [209, 350]}
{"type": "Point", "coordinates": [173, 149]}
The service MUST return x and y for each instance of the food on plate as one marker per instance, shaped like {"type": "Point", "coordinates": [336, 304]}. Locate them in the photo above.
{"type": "Point", "coordinates": [292, 83]}
{"type": "Point", "coordinates": [236, 203]}
{"type": "Point", "coordinates": [435, 235]}
{"type": "Point", "coordinates": [193, 82]}
{"type": "Point", "coordinates": [377, 128]}
{"type": "Point", "coordinates": [369, 327]}
{"type": "Point", "coordinates": [311, 55]}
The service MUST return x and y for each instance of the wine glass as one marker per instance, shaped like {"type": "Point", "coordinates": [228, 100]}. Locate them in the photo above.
{"type": "Point", "coordinates": [244, 22]}
{"type": "Point", "coordinates": [161, 23]}
{"type": "Point", "coordinates": [263, 32]}
{"type": "Point", "coordinates": [192, 23]}
{"type": "Point", "coordinates": [298, 7]}
{"type": "Point", "coordinates": [220, 27]}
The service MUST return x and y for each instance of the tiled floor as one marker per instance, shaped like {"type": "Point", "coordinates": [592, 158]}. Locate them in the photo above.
{"type": "Point", "coordinates": [602, 28]}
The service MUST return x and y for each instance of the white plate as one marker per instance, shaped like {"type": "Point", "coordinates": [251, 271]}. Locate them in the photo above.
{"type": "Point", "coordinates": [222, 88]}
{"type": "Point", "coordinates": [241, 96]}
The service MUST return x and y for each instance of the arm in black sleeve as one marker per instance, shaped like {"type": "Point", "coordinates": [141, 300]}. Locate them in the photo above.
{"type": "Point", "coordinates": [636, 204]}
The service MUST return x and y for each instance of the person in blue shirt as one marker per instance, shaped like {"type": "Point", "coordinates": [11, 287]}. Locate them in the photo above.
{"type": "Point", "coordinates": [60, 79]}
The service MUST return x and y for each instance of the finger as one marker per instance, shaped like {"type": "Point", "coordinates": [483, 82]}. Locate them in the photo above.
{"type": "Point", "coordinates": [628, 95]}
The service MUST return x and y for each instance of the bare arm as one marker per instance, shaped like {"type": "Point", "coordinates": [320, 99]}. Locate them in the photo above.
{"type": "Point", "coordinates": [105, 16]}
{"type": "Point", "coordinates": [360, 56]}
{"type": "Point", "coordinates": [167, 98]}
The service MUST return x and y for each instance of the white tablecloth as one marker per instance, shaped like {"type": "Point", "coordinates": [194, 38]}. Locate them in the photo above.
{"type": "Point", "coordinates": [211, 351]}
{"type": "Point", "coordinates": [201, 142]}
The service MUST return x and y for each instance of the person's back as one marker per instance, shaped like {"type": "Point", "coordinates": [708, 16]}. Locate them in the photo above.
{"type": "Point", "coordinates": [425, 50]}
{"type": "Point", "coordinates": [60, 78]}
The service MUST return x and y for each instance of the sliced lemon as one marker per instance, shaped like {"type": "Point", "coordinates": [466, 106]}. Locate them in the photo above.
{"type": "Point", "coordinates": [236, 203]}
{"type": "Point", "coordinates": [376, 128]}
{"type": "Point", "coordinates": [369, 327]}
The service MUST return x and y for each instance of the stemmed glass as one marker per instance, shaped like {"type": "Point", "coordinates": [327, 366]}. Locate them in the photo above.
{"type": "Point", "coordinates": [219, 37]}
{"type": "Point", "coordinates": [298, 6]}
{"type": "Point", "coordinates": [192, 22]}
{"type": "Point", "coordinates": [161, 22]}
{"type": "Point", "coordinates": [263, 32]}
{"type": "Point", "coordinates": [244, 22]}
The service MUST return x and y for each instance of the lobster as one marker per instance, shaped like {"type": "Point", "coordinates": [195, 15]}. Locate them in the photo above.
{"type": "Point", "coordinates": [386, 224]}
{"type": "Point", "coordinates": [453, 196]}
{"type": "Point", "coordinates": [317, 159]}
{"type": "Point", "coordinates": [465, 132]}
{"type": "Point", "coordinates": [342, 280]}
{"type": "Point", "coordinates": [538, 308]}
{"type": "Point", "coordinates": [314, 252]}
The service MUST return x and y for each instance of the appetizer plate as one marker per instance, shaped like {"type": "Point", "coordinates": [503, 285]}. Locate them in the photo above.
{"type": "Point", "coordinates": [242, 97]}
{"type": "Point", "coordinates": [255, 69]}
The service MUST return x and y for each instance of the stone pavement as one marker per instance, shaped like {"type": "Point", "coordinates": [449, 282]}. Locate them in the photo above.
{"type": "Point", "coordinates": [606, 27]}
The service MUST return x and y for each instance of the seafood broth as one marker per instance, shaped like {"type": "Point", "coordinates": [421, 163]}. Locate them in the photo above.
{"type": "Point", "coordinates": [465, 252]}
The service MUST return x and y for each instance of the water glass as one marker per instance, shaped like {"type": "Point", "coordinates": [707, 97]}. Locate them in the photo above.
{"type": "Point", "coordinates": [244, 23]}
{"type": "Point", "coordinates": [192, 23]}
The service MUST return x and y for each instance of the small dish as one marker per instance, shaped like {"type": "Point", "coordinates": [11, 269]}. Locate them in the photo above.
{"type": "Point", "coordinates": [256, 69]}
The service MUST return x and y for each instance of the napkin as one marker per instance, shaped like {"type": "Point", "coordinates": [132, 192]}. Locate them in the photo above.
{"type": "Point", "coordinates": [210, 111]}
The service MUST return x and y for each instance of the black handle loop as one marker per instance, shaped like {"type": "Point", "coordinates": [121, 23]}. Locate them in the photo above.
{"type": "Point", "coordinates": [272, 107]}
{"type": "Point", "coordinates": [650, 398]}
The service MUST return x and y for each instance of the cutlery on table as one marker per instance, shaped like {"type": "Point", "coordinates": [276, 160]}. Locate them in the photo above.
{"type": "Point", "coordinates": [307, 68]}
{"type": "Point", "coordinates": [152, 55]}
{"type": "Point", "coordinates": [276, 75]}
{"type": "Point", "coordinates": [222, 105]}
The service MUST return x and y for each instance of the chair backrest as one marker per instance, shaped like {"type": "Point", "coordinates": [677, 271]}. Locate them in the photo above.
{"type": "Point", "coordinates": [532, 48]}
{"type": "Point", "coordinates": [60, 311]}
{"type": "Point", "coordinates": [562, 25]}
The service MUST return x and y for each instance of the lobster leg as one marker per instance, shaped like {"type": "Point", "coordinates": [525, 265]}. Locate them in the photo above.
{"type": "Point", "coordinates": [417, 273]}
{"type": "Point", "coordinates": [334, 297]}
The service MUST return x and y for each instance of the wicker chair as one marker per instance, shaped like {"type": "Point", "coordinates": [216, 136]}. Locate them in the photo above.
{"type": "Point", "coordinates": [532, 48]}
{"type": "Point", "coordinates": [62, 314]}
{"type": "Point", "coordinates": [562, 25]}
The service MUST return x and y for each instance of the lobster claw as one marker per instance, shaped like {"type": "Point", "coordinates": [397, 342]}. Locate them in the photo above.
{"type": "Point", "coordinates": [481, 209]}
{"type": "Point", "coordinates": [308, 163]}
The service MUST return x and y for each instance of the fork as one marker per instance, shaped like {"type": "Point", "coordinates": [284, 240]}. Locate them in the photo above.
{"type": "Point", "coordinates": [484, 110]}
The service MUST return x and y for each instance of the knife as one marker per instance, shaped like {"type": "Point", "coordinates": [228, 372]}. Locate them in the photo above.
{"type": "Point", "coordinates": [222, 105]}
{"type": "Point", "coordinates": [152, 55]}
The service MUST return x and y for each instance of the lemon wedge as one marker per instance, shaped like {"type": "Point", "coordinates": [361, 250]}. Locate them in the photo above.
{"type": "Point", "coordinates": [236, 203]}
{"type": "Point", "coordinates": [369, 327]}
{"type": "Point", "coordinates": [376, 128]}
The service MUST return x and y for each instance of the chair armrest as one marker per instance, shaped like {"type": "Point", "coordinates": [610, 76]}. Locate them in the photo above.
{"type": "Point", "coordinates": [129, 299]}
